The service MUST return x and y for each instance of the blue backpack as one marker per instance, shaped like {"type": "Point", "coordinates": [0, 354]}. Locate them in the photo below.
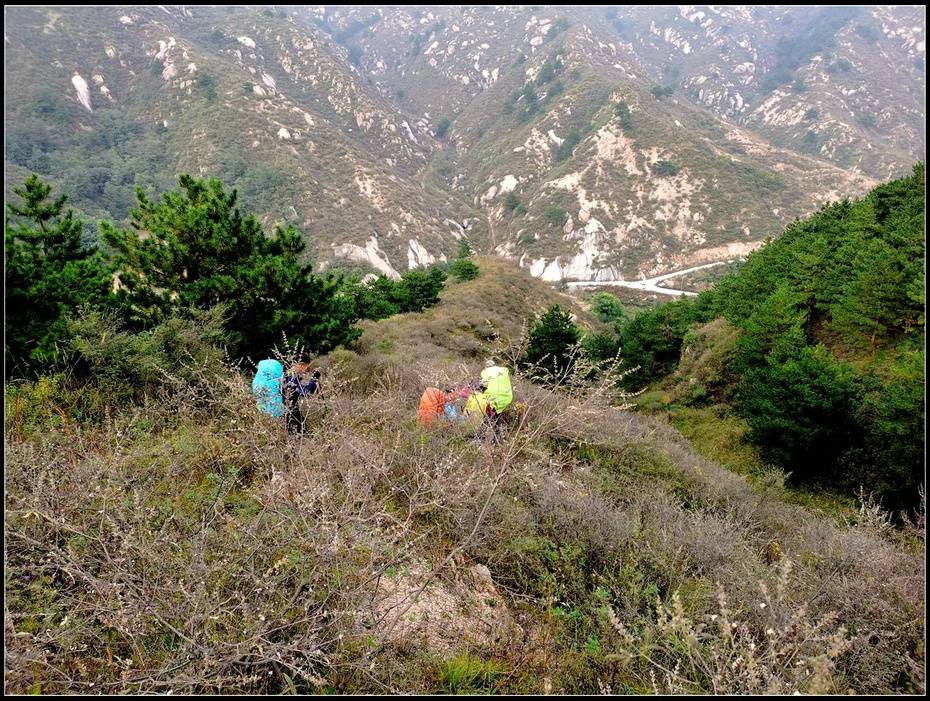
{"type": "Point", "coordinates": [266, 387]}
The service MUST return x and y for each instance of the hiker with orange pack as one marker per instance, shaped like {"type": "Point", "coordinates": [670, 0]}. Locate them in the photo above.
{"type": "Point", "coordinates": [435, 402]}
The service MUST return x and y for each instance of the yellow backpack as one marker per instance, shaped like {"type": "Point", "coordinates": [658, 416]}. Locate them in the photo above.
{"type": "Point", "coordinates": [476, 406]}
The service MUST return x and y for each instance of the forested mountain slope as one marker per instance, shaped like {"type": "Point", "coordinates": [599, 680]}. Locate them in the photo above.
{"type": "Point", "coordinates": [106, 99]}
{"type": "Point", "coordinates": [817, 342]}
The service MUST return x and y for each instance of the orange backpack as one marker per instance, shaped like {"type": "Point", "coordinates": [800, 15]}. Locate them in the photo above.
{"type": "Point", "coordinates": [432, 404]}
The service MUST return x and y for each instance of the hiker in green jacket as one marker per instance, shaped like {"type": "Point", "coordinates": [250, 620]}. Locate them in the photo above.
{"type": "Point", "coordinates": [499, 393]}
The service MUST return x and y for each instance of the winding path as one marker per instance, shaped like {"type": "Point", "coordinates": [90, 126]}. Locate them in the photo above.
{"type": "Point", "coordinates": [650, 284]}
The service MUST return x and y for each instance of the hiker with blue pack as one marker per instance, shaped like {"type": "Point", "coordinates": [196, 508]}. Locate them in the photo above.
{"type": "Point", "coordinates": [267, 387]}
{"type": "Point", "coordinates": [278, 394]}
{"type": "Point", "coordinates": [295, 390]}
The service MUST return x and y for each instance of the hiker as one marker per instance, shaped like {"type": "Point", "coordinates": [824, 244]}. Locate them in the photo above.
{"type": "Point", "coordinates": [498, 393]}
{"type": "Point", "coordinates": [446, 402]}
{"type": "Point", "coordinates": [294, 390]}
{"type": "Point", "coordinates": [476, 403]}
{"type": "Point", "coordinates": [277, 394]}
{"type": "Point", "coordinates": [482, 401]}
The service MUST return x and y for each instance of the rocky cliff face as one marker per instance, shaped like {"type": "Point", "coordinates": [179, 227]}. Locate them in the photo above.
{"type": "Point", "coordinates": [591, 143]}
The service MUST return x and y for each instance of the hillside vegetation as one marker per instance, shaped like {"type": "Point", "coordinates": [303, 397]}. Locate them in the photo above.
{"type": "Point", "coordinates": [816, 343]}
{"type": "Point", "coordinates": [181, 542]}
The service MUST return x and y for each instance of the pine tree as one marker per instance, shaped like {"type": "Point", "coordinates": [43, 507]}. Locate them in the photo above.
{"type": "Point", "coordinates": [653, 339]}
{"type": "Point", "coordinates": [801, 412]}
{"type": "Point", "coordinates": [607, 308]}
{"type": "Point", "coordinates": [373, 300]}
{"type": "Point", "coordinates": [775, 332]}
{"type": "Point", "coordinates": [511, 202]}
{"type": "Point", "coordinates": [195, 249]}
{"type": "Point", "coordinates": [442, 127]}
{"type": "Point", "coordinates": [626, 119]}
{"type": "Point", "coordinates": [419, 289]}
{"type": "Point", "coordinates": [462, 267]}
{"type": "Point", "coordinates": [873, 300]}
{"type": "Point", "coordinates": [49, 275]}
{"type": "Point", "coordinates": [465, 250]}
{"type": "Point", "coordinates": [551, 344]}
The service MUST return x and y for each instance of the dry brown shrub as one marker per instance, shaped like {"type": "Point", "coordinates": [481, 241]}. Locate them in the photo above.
{"type": "Point", "coordinates": [786, 652]}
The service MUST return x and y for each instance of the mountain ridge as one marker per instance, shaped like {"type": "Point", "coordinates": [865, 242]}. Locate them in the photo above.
{"type": "Point", "coordinates": [388, 134]}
